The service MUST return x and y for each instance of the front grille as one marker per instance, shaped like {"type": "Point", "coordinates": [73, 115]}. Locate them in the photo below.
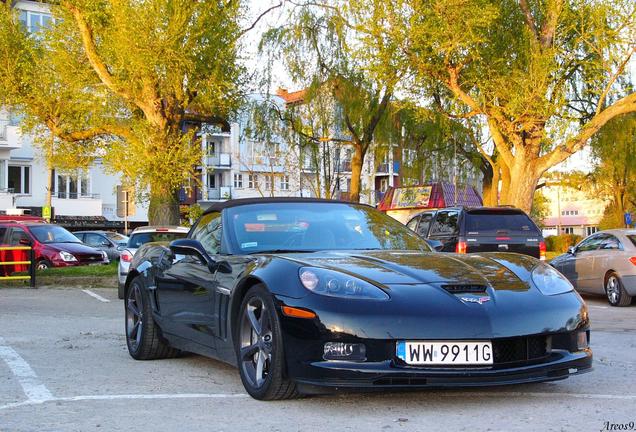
{"type": "Point", "coordinates": [519, 349]}
{"type": "Point", "coordinates": [89, 258]}
{"type": "Point", "coordinates": [464, 289]}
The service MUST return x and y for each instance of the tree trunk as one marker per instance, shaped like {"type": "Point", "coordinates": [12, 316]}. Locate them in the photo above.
{"type": "Point", "coordinates": [356, 172]}
{"type": "Point", "coordinates": [490, 185]}
{"type": "Point", "coordinates": [164, 206]}
{"type": "Point", "coordinates": [521, 184]}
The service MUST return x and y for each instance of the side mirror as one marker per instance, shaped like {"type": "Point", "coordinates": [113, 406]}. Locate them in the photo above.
{"type": "Point", "coordinates": [572, 250]}
{"type": "Point", "coordinates": [435, 244]}
{"type": "Point", "coordinates": [194, 247]}
{"type": "Point", "coordinates": [24, 242]}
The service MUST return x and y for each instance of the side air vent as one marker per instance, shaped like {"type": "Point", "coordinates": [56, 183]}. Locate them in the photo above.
{"type": "Point", "coordinates": [464, 288]}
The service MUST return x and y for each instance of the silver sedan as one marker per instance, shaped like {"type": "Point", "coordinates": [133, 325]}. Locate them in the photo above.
{"type": "Point", "coordinates": [603, 263]}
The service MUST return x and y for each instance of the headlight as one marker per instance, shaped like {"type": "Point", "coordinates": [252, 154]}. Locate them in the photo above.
{"type": "Point", "coordinates": [336, 284]}
{"type": "Point", "coordinates": [549, 281]}
{"type": "Point", "coordinates": [104, 256]}
{"type": "Point", "coordinates": [67, 256]}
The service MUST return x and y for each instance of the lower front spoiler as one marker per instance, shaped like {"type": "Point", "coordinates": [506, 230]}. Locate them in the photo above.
{"type": "Point", "coordinates": [383, 375]}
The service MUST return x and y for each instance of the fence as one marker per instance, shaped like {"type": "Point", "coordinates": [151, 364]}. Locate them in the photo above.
{"type": "Point", "coordinates": [31, 263]}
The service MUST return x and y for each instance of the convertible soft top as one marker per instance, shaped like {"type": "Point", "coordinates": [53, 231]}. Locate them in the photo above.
{"type": "Point", "coordinates": [218, 206]}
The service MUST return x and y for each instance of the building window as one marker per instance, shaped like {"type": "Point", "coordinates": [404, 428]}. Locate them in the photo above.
{"type": "Point", "coordinates": [211, 148]}
{"type": "Point", "coordinates": [238, 181]}
{"type": "Point", "coordinates": [252, 181]}
{"type": "Point", "coordinates": [568, 230]}
{"type": "Point", "coordinates": [569, 213]}
{"type": "Point", "coordinates": [590, 230]}
{"type": "Point", "coordinates": [268, 182]}
{"type": "Point", "coordinates": [72, 186]}
{"type": "Point", "coordinates": [34, 21]}
{"type": "Point", "coordinates": [284, 182]}
{"type": "Point", "coordinates": [212, 181]}
{"type": "Point", "coordinates": [384, 185]}
{"type": "Point", "coordinates": [19, 179]}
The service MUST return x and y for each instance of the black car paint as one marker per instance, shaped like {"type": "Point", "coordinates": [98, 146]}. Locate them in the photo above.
{"type": "Point", "coordinates": [195, 310]}
{"type": "Point", "coordinates": [518, 242]}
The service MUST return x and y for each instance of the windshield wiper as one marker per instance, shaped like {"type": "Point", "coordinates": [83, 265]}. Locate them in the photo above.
{"type": "Point", "coordinates": [273, 251]}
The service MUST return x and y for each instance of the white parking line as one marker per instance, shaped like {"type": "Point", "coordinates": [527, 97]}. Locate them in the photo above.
{"type": "Point", "coordinates": [128, 397]}
{"type": "Point", "coordinates": [34, 390]}
{"type": "Point", "coordinates": [97, 296]}
{"type": "Point", "coordinates": [542, 395]}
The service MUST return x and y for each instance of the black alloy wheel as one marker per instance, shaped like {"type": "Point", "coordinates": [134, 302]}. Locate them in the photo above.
{"type": "Point", "coordinates": [143, 336]}
{"type": "Point", "coordinates": [259, 347]}
{"type": "Point", "coordinates": [43, 265]}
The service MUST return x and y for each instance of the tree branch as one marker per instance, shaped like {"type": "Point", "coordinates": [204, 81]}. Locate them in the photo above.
{"type": "Point", "coordinates": [242, 32]}
{"type": "Point", "coordinates": [527, 15]}
{"type": "Point", "coordinates": [623, 106]}
{"type": "Point", "coordinates": [613, 79]}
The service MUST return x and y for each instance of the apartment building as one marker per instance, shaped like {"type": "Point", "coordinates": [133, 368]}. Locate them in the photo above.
{"type": "Point", "coordinates": [571, 211]}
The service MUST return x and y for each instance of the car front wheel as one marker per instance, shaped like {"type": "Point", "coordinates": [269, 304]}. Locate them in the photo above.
{"type": "Point", "coordinates": [616, 294]}
{"type": "Point", "coordinates": [142, 334]}
{"type": "Point", "coordinates": [259, 348]}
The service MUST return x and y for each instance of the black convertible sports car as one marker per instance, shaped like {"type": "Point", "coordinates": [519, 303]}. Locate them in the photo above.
{"type": "Point", "coordinates": [307, 295]}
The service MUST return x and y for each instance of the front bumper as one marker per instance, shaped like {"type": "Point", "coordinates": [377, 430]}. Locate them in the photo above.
{"type": "Point", "coordinates": [330, 375]}
{"type": "Point", "coordinates": [629, 283]}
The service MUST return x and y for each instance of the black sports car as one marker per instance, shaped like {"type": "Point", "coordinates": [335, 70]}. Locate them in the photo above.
{"type": "Point", "coordinates": [308, 295]}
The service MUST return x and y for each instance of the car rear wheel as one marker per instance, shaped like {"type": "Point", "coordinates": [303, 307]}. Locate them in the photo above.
{"type": "Point", "coordinates": [616, 294]}
{"type": "Point", "coordinates": [142, 334]}
{"type": "Point", "coordinates": [259, 348]}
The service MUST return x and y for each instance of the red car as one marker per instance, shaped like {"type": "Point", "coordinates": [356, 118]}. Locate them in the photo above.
{"type": "Point", "coordinates": [53, 245]}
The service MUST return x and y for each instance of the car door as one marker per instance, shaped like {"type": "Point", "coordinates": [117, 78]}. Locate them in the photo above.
{"type": "Point", "coordinates": [578, 267]}
{"type": "Point", "coordinates": [609, 249]}
{"type": "Point", "coordinates": [424, 224]}
{"type": "Point", "coordinates": [4, 269]}
{"type": "Point", "coordinates": [445, 228]}
{"type": "Point", "coordinates": [186, 291]}
{"type": "Point", "coordinates": [412, 224]}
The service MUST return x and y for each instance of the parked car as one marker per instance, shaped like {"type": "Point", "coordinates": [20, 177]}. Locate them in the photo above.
{"type": "Point", "coordinates": [139, 237]}
{"type": "Point", "coordinates": [603, 263]}
{"type": "Point", "coordinates": [108, 241]}
{"type": "Point", "coordinates": [307, 295]}
{"type": "Point", "coordinates": [53, 245]}
{"type": "Point", "coordinates": [480, 229]}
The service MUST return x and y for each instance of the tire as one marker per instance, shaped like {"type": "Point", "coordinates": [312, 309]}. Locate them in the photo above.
{"type": "Point", "coordinates": [259, 345]}
{"type": "Point", "coordinates": [615, 291]}
{"type": "Point", "coordinates": [44, 265]}
{"type": "Point", "coordinates": [142, 333]}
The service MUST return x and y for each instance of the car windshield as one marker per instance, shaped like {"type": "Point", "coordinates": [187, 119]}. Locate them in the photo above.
{"type": "Point", "coordinates": [116, 237]}
{"type": "Point", "coordinates": [141, 238]}
{"type": "Point", "coordinates": [53, 234]}
{"type": "Point", "coordinates": [306, 226]}
{"type": "Point", "coordinates": [493, 221]}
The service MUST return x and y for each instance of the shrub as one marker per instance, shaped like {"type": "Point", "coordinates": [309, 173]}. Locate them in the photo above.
{"type": "Point", "coordinates": [561, 243]}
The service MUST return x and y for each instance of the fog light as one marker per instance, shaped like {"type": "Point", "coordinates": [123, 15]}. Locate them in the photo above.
{"type": "Point", "coordinates": [582, 340]}
{"type": "Point", "coordinates": [344, 351]}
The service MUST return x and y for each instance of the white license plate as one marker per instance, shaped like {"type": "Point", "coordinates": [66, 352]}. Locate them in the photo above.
{"type": "Point", "coordinates": [445, 352]}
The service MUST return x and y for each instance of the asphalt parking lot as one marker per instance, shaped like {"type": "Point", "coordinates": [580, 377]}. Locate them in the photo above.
{"type": "Point", "coordinates": [64, 367]}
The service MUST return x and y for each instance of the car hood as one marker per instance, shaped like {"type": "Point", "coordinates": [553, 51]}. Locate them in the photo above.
{"type": "Point", "coordinates": [74, 248]}
{"type": "Point", "coordinates": [496, 270]}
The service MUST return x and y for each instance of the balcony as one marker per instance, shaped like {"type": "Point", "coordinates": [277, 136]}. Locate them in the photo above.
{"type": "Point", "coordinates": [220, 193]}
{"type": "Point", "coordinates": [219, 160]}
{"type": "Point", "coordinates": [9, 136]}
{"type": "Point", "coordinates": [73, 204]}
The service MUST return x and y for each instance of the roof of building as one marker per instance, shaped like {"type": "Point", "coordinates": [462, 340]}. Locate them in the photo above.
{"type": "Point", "coordinates": [292, 97]}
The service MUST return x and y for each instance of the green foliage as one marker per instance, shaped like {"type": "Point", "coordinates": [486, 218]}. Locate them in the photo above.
{"type": "Point", "coordinates": [561, 243]}
{"type": "Point", "coordinates": [540, 208]}
{"type": "Point", "coordinates": [118, 79]}
{"type": "Point", "coordinates": [193, 214]}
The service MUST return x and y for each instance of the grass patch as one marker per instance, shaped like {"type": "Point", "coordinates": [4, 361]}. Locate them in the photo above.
{"type": "Point", "coordinates": [83, 276]}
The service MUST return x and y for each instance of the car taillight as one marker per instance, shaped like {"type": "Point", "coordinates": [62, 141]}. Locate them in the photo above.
{"type": "Point", "coordinates": [632, 260]}
{"type": "Point", "coordinates": [126, 256]}
{"type": "Point", "coordinates": [542, 249]}
{"type": "Point", "coordinates": [461, 247]}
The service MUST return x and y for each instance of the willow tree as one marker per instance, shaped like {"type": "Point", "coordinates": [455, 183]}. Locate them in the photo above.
{"type": "Point", "coordinates": [319, 49]}
{"type": "Point", "coordinates": [135, 80]}
{"type": "Point", "coordinates": [543, 75]}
